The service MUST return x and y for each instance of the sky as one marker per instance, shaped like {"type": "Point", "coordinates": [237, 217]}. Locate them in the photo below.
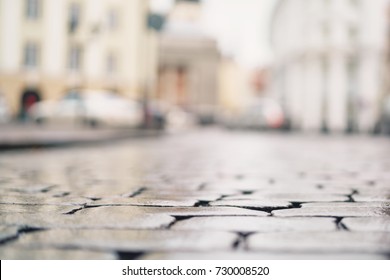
{"type": "Point", "coordinates": [241, 29]}
{"type": "Point", "coordinates": [239, 26]}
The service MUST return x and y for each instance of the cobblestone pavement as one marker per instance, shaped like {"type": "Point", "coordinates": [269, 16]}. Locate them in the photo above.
{"type": "Point", "coordinates": [208, 194]}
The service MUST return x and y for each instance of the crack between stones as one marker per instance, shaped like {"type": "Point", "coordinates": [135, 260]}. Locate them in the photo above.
{"type": "Point", "coordinates": [176, 220]}
{"type": "Point", "coordinates": [222, 197]}
{"type": "Point", "coordinates": [350, 196]}
{"type": "Point", "coordinates": [202, 203]}
{"type": "Point", "coordinates": [20, 231]}
{"type": "Point", "coordinates": [340, 225]}
{"type": "Point", "coordinates": [129, 255]}
{"type": "Point", "coordinates": [74, 211]}
{"type": "Point", "coordinates": [138, 192]}
{"type": "Point", "coordinates": [269, 210]}
{"type": "Point", "coordinates": [241, 242]}
{"type": "Point", "coordinates": [64, 194]}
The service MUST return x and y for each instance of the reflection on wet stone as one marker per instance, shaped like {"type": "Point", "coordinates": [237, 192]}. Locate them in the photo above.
{"type": "Point", "coordinates": [209, 199]}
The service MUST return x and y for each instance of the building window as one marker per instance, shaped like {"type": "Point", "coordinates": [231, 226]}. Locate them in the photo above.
{"type": "Point", "coordinates": [112, 19]}
{"type": "Point", "coordinates": [75, 58]}
{"type": "Point", "coordinates": [74, 17]}
{"type": "Point", "coordinates": [31, 54]}
{"type": "Point", "coordinates": [33, 9]}
{"type": "Point", "coordinates": [111, 64]}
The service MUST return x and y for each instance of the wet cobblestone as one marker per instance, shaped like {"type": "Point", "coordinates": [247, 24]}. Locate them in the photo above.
{"type": "Point", "coordinates": [198, 195]}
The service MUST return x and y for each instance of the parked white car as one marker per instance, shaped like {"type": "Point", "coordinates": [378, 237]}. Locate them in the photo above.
{"type": "Point", "coordinates": [5, 115]}
{"type": "Point", "coordinates": [95, 108]}
{"type": "Point", "coordinates": [263, 114]}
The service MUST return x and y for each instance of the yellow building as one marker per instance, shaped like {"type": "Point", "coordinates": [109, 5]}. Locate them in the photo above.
{"type": "Point", "coordinates": [48, 47]}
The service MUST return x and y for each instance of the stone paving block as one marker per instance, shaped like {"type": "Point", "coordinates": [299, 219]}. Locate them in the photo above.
{"type": "Point", "coordinates": [294, 197]}
{"type": "Point", "coordinates": [27, 208]}
{"type": "Point", "coordinates": [242, 185]}
{"type": "Point", "coordinates": [100, 191]}
{"type": "Point", "coordinates": [256, 224]}
{"type": "Point", "coordinates": [383, 197]}
{"type": "Point", "coordinates": [32, 188]}
{"type": "Point", "coordinates": [130, 240]}
{"type": "Point", "coordinates": [321, 242]}
{"type": "Point", "coordinates": [41, 199]}
{"type": "Point", "coordinates": [368, 224]}
{"type": "Point", "coordinates": [245, 255]}
{"type": "Point", "coordinates": [377, 189]}
{"type": "Point", "coordinates": [184, 196]}
{"type": "Point", "coordinates": [200, 190]}
{"type": "Point", "coordinates": [12, 253]}
{"type": "Point", "coordinates": [346, 211]}
{"type": "Point", "coordinates": [121, 212]}
{"type": "Point", "coordinates": [370, 204]}
{"type": "Point", "coordinates": [173, 202]}
{"type": "Point", "coordinates": [87, 220]}
{"type": "Point", "coordinates": [249, 203]}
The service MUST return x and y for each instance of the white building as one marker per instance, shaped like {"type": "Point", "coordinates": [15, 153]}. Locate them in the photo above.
{"type": "Point", "coordinates": [49, 46]}
{"type": "Point", "coordinates": [188, 63]}
{"type": "Point", "coordinates": [328, 69]}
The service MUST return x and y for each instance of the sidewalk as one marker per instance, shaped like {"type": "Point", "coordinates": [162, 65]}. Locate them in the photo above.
{"type": "Point", "coordinates": [17, 136]}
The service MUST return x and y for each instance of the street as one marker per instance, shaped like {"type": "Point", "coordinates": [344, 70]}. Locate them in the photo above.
{"type": "Point", "coordinates": [199, 194]}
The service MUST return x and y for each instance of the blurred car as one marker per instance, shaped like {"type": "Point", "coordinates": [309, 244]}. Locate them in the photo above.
{"type": "Point", "coordinates": [154, 115]}
{"type": "Point", "coordinates": [264, 114]}
{"type": "Point", "coordinates": [95, 108]}
{"type": "Point", "coordinates": [5, 115]}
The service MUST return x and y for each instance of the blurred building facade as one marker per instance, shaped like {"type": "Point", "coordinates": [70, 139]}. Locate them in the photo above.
{"type": "Point", "coordinates": [328, 69]}
{"type": "Point", "coordinates": [48, 47]}
{"type": "Point", "coordinates": [188, 63]}
{"type": "Point", "coordinates": [238, 86]}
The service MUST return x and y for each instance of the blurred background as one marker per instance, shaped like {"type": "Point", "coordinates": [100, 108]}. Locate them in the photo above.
{"type": "Point", "coordinates": [295, 65]}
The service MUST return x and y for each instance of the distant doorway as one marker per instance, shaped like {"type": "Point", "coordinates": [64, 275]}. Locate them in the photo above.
{"type": "Point", "coordinates": [29, 98]}
{"type": "Point", "coordinates": [173, 85]}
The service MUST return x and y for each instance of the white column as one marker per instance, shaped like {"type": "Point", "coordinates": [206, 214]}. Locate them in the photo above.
{"type": "Point", "coordinates": [294, 84]}
{"type": "Point", "coordinates": [312, 111]}
{"type": "Point", "coordinates": [93, 53]}
{"type": "Point", "coordinates": [54, 38]}
{"type": "Point", "coordinates": [370, 91]}
{"type": "Point", "coordinates": [337, 98]}
{"type": "Point", "coordinates": [373, 41]}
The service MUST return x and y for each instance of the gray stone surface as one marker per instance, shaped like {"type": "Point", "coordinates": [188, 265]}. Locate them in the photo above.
{"type": "Point", "coordinates": [337, 211]}
{"type": "Point", "coordinates": [27, 208]}
{"type": "Point", "coordinates": [156, 201]}
{"type": "Point", "coordinates": [321, 242]}
{"type": "Point", "coordinates": [87, 220]}
{"type": "Point", "coordinates": [53, 254]}
{"type": "Point", "coordinates": [368, 224]}
{"type": "Point", "coordinates": [8, 232]}
{"type": "Point", "coordinates": [234, 255]}
{"type": "Point", "coordinates": [257, 224]}
{"type": "Point", "coordinates": [368, 205]}
{"type": "Point", "coordinates": [201, 193]}
{"type": "Point", "coordinates": [41, 199]}
{"type": "Point", "coordinates": [129, 240]}
{"type": "Point", "coordinates": [252, 203]}
{"type": "Point", "coordinates": [384, 197]}
{"type": "Point", "coordinates": [119, 212]}
{"type": "Point", "coordinates": [294, 197]}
